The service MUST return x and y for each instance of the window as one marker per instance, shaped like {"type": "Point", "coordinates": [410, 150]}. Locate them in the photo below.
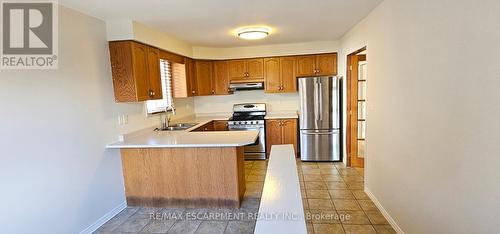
{"type": "Point", "coordinates": [158, 106]}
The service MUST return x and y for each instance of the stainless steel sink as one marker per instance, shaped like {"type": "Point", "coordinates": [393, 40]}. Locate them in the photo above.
{"type": "Point", "coordinates": [177, 127]}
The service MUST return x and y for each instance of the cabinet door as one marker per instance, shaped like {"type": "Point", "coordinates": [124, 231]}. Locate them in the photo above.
{"type": "Point", "coordinates": [306, 65]}
{"type": "Point", "coordinates": [272, 75]}
{"type": "Point", "coordinates": [204, 74]}
{"type": "Point", "coordinates": [236, 69]}
{"type": "Point", "coordinates": [155, 91]}
{"type": "Point", "coordinates": [221, 81]}
{"type": "Point", "coordinates": [140, 67]}
{"type": "Point", "coordinates": [190, 77]}
{"type": "Point", "coordinates": [220, 125]}
{"type": "Point", "coordinates": [120, 54]}
{"type": "Point", "coordinates": [273, 134]}
{"type": "Point", "coordinates": [326, 64]}
{"type": "Point", "coordinates": [288, 78]}
{"type": "Point", "coordinates": [290, 132]}
{"type": "Point", "coordinates": [255, 69]}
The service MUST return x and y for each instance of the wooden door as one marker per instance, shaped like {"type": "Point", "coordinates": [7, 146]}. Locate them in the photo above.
{"type": "Point", "coordinates": [154, 73]}
{"type": "Point", "coordinates": [306, 65]}
{"type": "Point", "coordinates": [289, 133]}
{"type": "Point", "coordinates": [273, 134]}
{"type": "Point", "coordinates": [273, 75]}
{"type": "Point", "coordinates": [255, 69]}
{"type": "Point", "coordinates": [140, 67]}
{"type": "Point", "coordinates": [190, 77]}
{"type": "Point", "coordinates": [288, 78]}
{"type": "Point", "coordinates": [236, 69]}
{"type": "Point", "coordinates": [352, 112]}
{"type": "Point", "coordinates": [221, 81]}
{"type": "Point", "coordinates": [204, 77]}
{"type": "Point", "coordinates": [326, 64]}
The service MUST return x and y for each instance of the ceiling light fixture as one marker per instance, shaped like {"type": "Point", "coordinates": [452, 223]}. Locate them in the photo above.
{"type": "Point", "coordinates": [253, 33]}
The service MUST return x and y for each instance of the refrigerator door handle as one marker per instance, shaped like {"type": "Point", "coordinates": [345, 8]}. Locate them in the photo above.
{"type": "Point", "coordinates": [316, 100]}
{"type": "Point", "coordinates": [320, 95]}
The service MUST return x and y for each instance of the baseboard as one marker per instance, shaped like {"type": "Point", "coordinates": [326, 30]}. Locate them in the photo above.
{"type": "Point", "coordinates": [97, 224]}
{"type": "Point", "coordinates": [391, 221]}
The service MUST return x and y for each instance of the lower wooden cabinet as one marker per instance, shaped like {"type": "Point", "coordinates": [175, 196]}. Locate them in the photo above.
{"type": "Point", "coordinates": [215, 125]}
{"type": "Point", "coordinates": [281, 131]}
{"type": "Point", "coordinates": [221, 125]}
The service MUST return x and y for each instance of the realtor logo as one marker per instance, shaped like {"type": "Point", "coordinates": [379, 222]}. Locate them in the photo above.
{"type": "Point", "coordinates": [29, 35]}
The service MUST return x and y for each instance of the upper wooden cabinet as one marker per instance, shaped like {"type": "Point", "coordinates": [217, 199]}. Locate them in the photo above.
{"type": "Point", "coordinates": [317, 65]}
{"type": "Point", "coordinates": [190, 77]}
{"type": "Point", "coordinates": [246, 69]}
{"type": "Point", "coordinates": [136, 71]}
{"type": "Point", "coordinates": [281, 131]}
{"type": "Point", "coordinates": [211, 78]}
{"type": "Point", "coordinates": [221, 79]}
{"type": "Point", "coordinates": [279, 74]}
{"type": "Point", "coordinates": [204, 76]}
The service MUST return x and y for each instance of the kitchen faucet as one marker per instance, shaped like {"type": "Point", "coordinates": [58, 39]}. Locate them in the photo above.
{"type": "Point", "coordinates": [166, 121]}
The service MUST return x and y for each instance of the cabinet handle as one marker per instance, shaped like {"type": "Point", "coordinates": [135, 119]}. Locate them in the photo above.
{"type": "Point", "coordinates": [193, 92]}
{"type": "Point", "coordinates": [213, 91]}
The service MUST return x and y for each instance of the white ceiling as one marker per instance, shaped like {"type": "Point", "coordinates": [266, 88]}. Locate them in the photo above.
{"type": "Point", "coordinates": [211, 23]}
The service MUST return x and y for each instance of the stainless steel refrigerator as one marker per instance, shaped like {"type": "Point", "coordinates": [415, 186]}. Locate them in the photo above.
{"type": "Point", "coordinates": [320, 118]}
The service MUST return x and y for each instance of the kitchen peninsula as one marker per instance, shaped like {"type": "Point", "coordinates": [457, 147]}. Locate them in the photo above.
{"type": "Point", "coordinates": [184, 168]}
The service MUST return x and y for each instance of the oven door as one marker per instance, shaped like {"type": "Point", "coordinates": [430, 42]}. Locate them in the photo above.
{"type": "Point", "coordinates": [258, 149]}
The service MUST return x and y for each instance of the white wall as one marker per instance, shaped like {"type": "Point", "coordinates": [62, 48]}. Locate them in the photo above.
{"type": "Point", "coordinates": [133, 30]}
{"type": "Point", "coordinates": [265, 50]}
{"type": "Point", "coordinates": [56, 175]}
{"type": "Point", "coordinates": [432, 135]}
{"type": "Point", "coordinates": [224, 103]}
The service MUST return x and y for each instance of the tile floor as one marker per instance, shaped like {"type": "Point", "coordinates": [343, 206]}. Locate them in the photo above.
{"type": "Point", "coordinates": [334, 202]}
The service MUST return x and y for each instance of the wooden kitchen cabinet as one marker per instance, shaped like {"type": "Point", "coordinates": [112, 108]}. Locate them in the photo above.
{"type": "Point", "coordinates": [246, 69]}
{"type": "Point", "coordinates": [135, 70]}
{"type": "Point", "coordinates": [316, 65]}
{"type": "Point", "coordinates": [279, 73]}
{"type": "Point", "coordinates": [215, 125]}
{"type": "Point", "coordinates": [221, 79]}
{"type": "Point", "coordinates": [204, 77]}
{"type": "Point", "coordinates": [221, 125]}
{"type": "Point", "coordinates": [255, 69]}
{"type": "Point", "coordinates": [211, 78]}
{"type": "Point", "coordinates": [281, 131]}
{"type": "Point", "coordinates": [236, 69]}
{"type": "Point", "coordinates": [288, 77]}
{"type": "Point", "coordinates": [272, 72]}
{"type": "Point", "coordinates": [190, 77]}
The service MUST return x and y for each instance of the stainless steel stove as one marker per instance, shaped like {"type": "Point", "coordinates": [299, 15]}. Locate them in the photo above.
{"type": "Point", "coordinates": [250, 116]}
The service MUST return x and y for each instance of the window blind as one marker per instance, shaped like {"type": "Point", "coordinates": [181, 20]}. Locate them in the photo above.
{"type": "Point", "coordinates": [157, 106]}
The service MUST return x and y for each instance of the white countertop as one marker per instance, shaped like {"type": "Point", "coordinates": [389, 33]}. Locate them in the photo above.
{"type": "Point", "coordinates": [282, 115]}
{"type": "Point", "coordinates": [147, 138]}
{"type": "Point", "coordinates": [281, 209]}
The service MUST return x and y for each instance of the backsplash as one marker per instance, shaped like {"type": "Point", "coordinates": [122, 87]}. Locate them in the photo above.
{"type": "Point", "coordinates": [224, 103]}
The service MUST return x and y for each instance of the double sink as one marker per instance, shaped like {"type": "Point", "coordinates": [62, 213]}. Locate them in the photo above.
{"type": "Point", "coordinates": [177, 127]}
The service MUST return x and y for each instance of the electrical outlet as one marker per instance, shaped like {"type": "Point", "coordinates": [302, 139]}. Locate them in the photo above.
{"type": "Point", "coordinates": [125, 119]}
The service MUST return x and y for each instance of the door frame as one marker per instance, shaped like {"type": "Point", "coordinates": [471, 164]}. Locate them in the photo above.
{"type": "Point", "coordinates": [352, 110]}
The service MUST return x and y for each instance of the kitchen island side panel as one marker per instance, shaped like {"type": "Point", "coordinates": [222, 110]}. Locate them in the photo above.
{"type": "Point", "coordinates": [184, 177]}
